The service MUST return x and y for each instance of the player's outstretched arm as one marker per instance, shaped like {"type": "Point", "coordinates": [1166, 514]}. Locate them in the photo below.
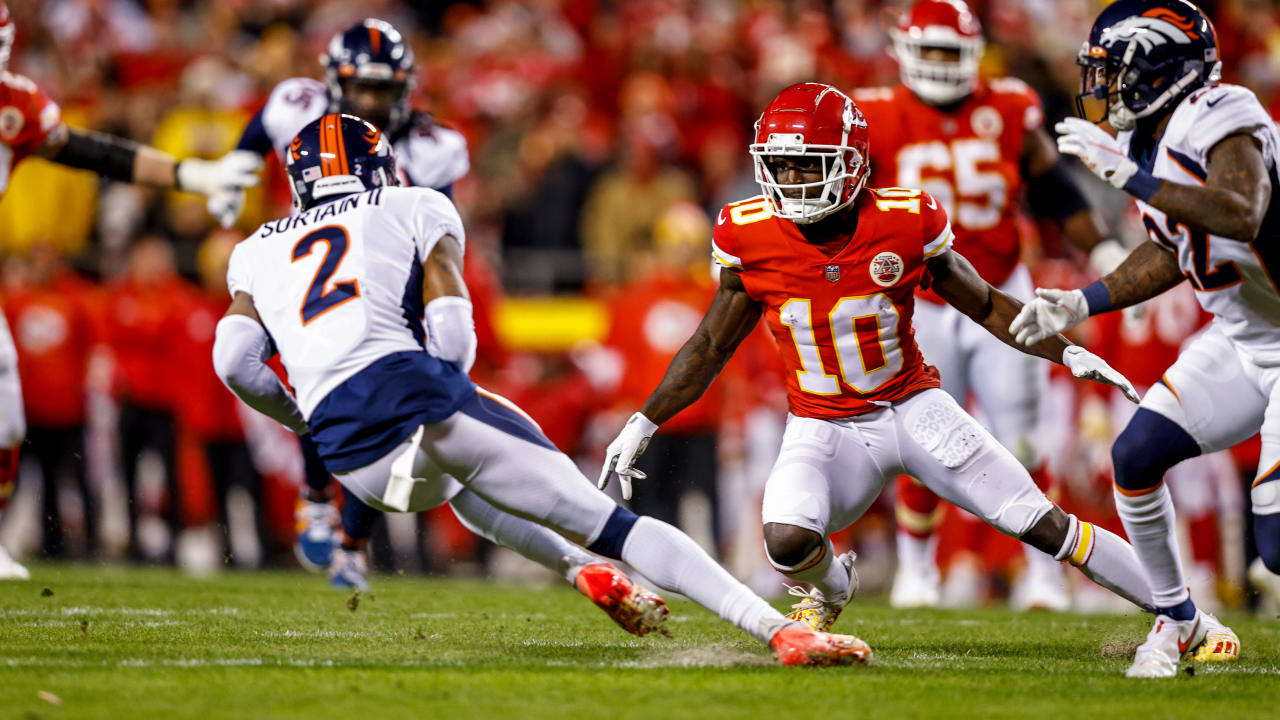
{"type": "Point", "coordinates": [1148, 271]}
{"type": "Point", "coordinates": [955, 280]}
{"type": "Point", "coordinates": [128, 161]}
{"type": "Point", "coordinates": [730, 319]}
{"type": "Point", "coordinates": [241, 347]}
{"type": "Point", "coordinates": [1230, 204]}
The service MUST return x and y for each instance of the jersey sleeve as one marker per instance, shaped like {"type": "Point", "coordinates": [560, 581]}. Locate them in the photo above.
{"type": "Point", "coordinates": [936, 227]}
{"type": "Point", "coordinates": [434, 216]}
{"type": "Point", "coordinates": [238, 276]}
{"type": "Point", "coordinates": [292, 104]}
{"type": "Point", "coordinates": [724, 242]}
{"type": "Point", "coordinates": [1227, 110]}
{"type": "Point", "coordinates": [30, 119]}
{"type": "Point", "coordinates": [1021, 102]}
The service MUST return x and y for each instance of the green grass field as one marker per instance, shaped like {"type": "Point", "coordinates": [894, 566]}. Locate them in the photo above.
{"type": "Point", "coordinates": [126, 643]}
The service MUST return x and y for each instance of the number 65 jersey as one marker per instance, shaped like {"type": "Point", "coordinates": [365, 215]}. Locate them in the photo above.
{"type": "Point", "coordinates": [339, 289]}
{"type": "Point", "coordinates": [1238, 282]}
{"type": "Point", "coordinates": [842, 322]}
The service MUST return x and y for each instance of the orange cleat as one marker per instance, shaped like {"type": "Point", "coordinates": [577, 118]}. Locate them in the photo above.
{"type": "Point", "coordinates": [798, 645]}
{"type": "Point", "coordinates": [636, 609]}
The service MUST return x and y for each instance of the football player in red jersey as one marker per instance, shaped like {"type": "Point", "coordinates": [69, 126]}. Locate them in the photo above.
{"type": "Point", "coordinates": [973, 145]}
{"type": "Point", "coordinates": [833, 268]}
{"type": "Point", "coordinates": [31, 124]}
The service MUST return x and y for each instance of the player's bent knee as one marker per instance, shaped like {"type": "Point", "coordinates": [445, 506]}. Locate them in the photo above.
{"type": "Point", "coordinates": [792, 548]}
{"type": "Point", "coordinates": [1049, 532]}
{"type": "Point", "coordinates": [1265, 497]}
{"type": "Point", "coordinates": [1149, 445]}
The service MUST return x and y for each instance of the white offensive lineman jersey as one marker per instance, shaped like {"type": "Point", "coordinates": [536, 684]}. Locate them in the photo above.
{"type": "Point", "coordinates": [1239, 283]}
{"type": "Point", "coordinates": [330, 284]}
{"type": "Point", "coordinates": [430, 155]}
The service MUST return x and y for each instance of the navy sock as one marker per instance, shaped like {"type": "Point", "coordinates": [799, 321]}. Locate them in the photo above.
{"type": "Point", "coordinates": [357, 518]}
{"type": "Point", "coordinates": [1266, 535]}
{"type": "Point", "coordinates": [614, 535]}
{"type": "Point", "coordinates": [1184, 610]}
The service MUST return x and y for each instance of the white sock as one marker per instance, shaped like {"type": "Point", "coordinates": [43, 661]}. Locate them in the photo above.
{"type": "Point", "coordinates": [821, 571]}
{"type": "Point", "coordinates": [674, 562]}
{"type": "Point", "coordinates": [1149, 523]}
{"type": "Point", "coordinates": [915, 553]}
{"type": "Point", "coordinates": [539, 544]}
{"type": "Point", "coordinates": [1107, 560]}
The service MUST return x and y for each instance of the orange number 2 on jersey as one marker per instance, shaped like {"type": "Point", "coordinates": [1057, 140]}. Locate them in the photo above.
{"type": "Point", "coordinates": [864, 330]}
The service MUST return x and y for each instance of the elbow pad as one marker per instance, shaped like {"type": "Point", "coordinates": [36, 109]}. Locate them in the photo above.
{"type": "Point", "coordinates": [1055, 193]}
{"type": "Point", "coordinates": [451, 331]}
{"type": "Point", "coordinates": [239, 348]}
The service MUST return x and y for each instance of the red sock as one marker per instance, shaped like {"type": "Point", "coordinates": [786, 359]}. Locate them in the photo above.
{"type": "Point", "coordinates": [917, 509]}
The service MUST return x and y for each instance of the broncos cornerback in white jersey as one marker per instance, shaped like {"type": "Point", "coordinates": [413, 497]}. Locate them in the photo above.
{"type": "Point", "coordinates": [305, 271]}
{"type": "Point", "coordinates": [1235, 281]}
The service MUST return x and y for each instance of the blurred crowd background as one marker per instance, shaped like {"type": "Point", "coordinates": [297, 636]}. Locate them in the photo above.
{"type": "Point", "coordinates": [603, 135]}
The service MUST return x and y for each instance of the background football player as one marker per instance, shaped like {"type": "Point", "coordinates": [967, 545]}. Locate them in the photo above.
{"type": "Point", "coordinates": [368, 72]}
{"type": "Point", "coordinates": [834, 270]}
{"type": "Point", "coordinates": [974, 145]}
{"type": "Point", "coordinates": [1201, 159]}
{"type": "Point", "coordinates": [31, 125]}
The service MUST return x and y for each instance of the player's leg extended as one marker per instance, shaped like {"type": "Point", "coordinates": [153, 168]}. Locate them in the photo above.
{"type": "Point", "coordinates": [947, 449]}
{"type": "Point", "coordinates": [316, 517]}
{"type": "Point", "coordinates": [634, 608]}
{"type": "Point", "coordinates": [823, 480]}
{"type": "Point", "coordinates": [916, 508]}
{"type": "Point", "coordinates": [501, 456]}
{"type": "Point", "coordinates": [1265, 491]}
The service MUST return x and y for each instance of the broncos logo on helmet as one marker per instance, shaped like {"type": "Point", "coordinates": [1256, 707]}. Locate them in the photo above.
{"type": "Point", "coordinates": [1144, 56]}
{"type": "Point", "coordinates": [338, 155]}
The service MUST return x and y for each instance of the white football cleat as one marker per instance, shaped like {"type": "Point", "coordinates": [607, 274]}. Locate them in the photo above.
{"type": "Point", "coordinates": [1220, 642]}
{"type": "Point", "coordinates": [1167, 642]}
{"type": "Point", "coordinates": [11, 569]}
{"type": "Point", "coordinates": [915, 587]}
{"type": "Point", "coordinates": [815, 610]}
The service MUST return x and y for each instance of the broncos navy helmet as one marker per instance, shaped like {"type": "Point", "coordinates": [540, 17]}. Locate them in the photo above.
{"type": "Point", "coordinates": [1142, 57]}
{"type": "Point", "coordinates": [369, 71]}
{"type": "Point", "coordinates": [337, 155]}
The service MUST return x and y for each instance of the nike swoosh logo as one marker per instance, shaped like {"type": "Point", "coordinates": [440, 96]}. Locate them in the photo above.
{"type": "Point", "coordinates": [1182, 646]}
{"type": "Point", "coordinates": [932, 205]}
{"type": "Point", "coordinates": [1214, 101]}
{"type": "Point", "coordinates": [721, 218]}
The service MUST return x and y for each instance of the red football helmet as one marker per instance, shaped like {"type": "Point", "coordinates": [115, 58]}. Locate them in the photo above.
{"type": "Point", "coordinates": [947, 24]}
{"type": "Point", "coordinates": [812, 120]}
{"type": "Point", "coordinates": [6, 36]}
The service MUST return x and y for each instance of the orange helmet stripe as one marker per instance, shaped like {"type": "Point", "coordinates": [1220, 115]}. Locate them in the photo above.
{"type": "Point", "coordinates": [341, 146]}
{"type": "Point", "coordinates": [375, 38]}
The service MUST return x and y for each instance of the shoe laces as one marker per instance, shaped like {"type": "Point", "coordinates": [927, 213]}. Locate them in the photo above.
{"type": "Point", "coordinates": [811, 599]}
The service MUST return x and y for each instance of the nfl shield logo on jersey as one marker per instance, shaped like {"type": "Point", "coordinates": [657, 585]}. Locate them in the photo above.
{"type": "Point", "coordinates": [833, 273]}
{"type": "Point", "coordinates": [886, 268]}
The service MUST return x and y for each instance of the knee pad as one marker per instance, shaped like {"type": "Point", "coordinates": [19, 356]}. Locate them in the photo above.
{"type": "Point", "coordinates": [945, 431]}
{"type": "Point", "coordinates": [1150, 444]}
{"type": "Point", "coordinates": [1265, 497]}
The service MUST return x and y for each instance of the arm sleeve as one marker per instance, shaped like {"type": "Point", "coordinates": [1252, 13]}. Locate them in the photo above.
{"type": "Point", "coordinates": [1227, 110]}
{"type": "Point", "coordinates": [255, 137]}
{"type": "Point", "coordinates": [240, 349]}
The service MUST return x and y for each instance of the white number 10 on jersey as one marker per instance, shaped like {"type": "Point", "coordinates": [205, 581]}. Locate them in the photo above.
{"type": "Point", "coordinates": [864, 330]}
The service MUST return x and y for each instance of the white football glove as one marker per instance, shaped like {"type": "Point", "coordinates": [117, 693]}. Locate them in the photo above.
{"type": "Point", "coordinates": [236, 170]}
{"type": "Point", "coordinates": [623, 451]}
{"type": "Point", "coordinates": [225, 206]}
{"type": "Point", "coordinates": [1100, 152]}
{"type": "Point", "coordinates": [1051, 312]}
{"type": "Point", "coordinates": [1084, 364]}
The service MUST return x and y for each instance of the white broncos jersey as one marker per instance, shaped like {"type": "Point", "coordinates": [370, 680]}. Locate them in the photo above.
{"type": "Point", "coordinates": [1239, 283]}
{"type": "Point", "coordinates": [430, 155]}
{"type": "Point", "coordinates": [339, 287]}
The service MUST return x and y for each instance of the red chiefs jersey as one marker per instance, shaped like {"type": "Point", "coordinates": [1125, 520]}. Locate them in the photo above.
{"type": "Point", "coordinates": [969, 159]}
{"type": "Point", "coordinates": [27, 116]}
{"type": "Point", "coordinates": [842, 322]}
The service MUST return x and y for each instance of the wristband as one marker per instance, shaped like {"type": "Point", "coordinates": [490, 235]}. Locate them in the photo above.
{"type": "Point", "coordinates": [1097, 298]}
{"type": "Point", "coordinates": [1142, 185]}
